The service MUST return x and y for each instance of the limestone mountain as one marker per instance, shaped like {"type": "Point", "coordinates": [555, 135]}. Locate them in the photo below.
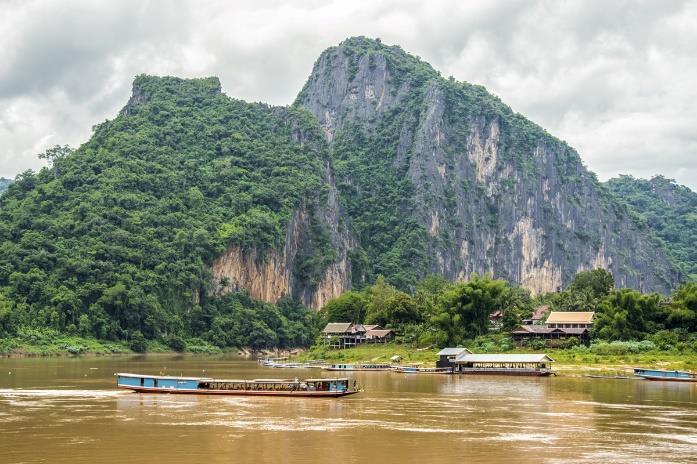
{"type": "Point", "coordinates": [380, 167]}
{"type": "Point", "coordinates": [119, 237]}
{"type": "Point", "coordinates": [439, 176]}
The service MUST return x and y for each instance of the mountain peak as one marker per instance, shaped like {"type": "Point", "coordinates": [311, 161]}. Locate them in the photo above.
{"type": "Point", "coordinates": [470, 185]}
{"type": "Point", "coordinates": [145, 87]}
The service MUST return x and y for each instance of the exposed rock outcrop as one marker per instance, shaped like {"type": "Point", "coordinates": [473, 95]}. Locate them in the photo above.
{"type": "Point", "coordinates": [273, 274]}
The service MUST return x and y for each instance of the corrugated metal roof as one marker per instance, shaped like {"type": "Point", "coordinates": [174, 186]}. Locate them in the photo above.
{"type": "Point", "coordinates": [574, 317]}
{"type": "Point", "coordinates": [503, 358]}
{"type": "Point", "coordinates": [452, 351]}
{"type": "Point", "coordinates": [337, 327]}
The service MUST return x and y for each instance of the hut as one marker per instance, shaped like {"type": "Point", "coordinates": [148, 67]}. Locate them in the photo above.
{"type": "Point", "coordinates": [446, 356]}
{"type": "Point", "coordinates": [344, 334]}
{"type": "Point", "coordinates": [377, 334]}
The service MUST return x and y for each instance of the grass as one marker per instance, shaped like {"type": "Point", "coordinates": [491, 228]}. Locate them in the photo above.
{"type": "Point", "coordinates": [568, 361]}
{"type": "Point", "coordinates": [61, 345]}
{"type": "Point", "coordinates": [40, 344]}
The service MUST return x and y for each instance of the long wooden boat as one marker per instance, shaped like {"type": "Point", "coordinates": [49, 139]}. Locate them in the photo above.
{"type": "Point", "coordinates": [423, 370]}
{"type": "Point", "coordinates": [657, 374]}
{"type": "Point", "coordinates": [322, 388]}
{"type": "Point", "coordinates": [359, 367]}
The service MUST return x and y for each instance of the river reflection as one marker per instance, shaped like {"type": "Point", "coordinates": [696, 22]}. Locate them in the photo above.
{"type": "Point", "coordinates": [66, 410]}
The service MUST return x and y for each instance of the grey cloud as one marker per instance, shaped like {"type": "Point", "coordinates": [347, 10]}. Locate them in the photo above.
{"type": "Point", "coordinates": [614, 79]}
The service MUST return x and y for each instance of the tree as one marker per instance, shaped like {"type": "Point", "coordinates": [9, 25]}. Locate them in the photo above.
{"type": "Point", "coordinates": [377, 296]}
{"type": "Point", "coordinates": [349, 307]}
{"type": "Point", "coordinates": [138, 343]}
{"type": "Point", "coordinates": [466, 307]}
{"type": "Point", "coordinates": [399, 308]}
{"type": "Point", "coordinates": [598, 281]}
{"type": "Point", "coordinates": [683, 312]}
{"type": "Point", "coordinates": [54, 155]}
{"type": "Point", "coordinates": [626, 315]}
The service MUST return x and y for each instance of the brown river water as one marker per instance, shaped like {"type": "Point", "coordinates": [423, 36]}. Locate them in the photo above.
{"type": "Point", "coordinates": [67, 410]}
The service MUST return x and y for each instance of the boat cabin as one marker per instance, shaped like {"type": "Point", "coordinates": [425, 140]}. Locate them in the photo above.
{"type": "Point", "coordinates": [508, 364]}
{"type": "Point", "coordinates": [157, 381]}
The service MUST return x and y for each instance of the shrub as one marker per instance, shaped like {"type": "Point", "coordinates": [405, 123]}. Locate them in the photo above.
{"type": "Point", "coordinates": [620, 348]}
{"type": "Point", "coordinates": [138, 343]}
{"type": "Point", "coordinates": [176, 343]}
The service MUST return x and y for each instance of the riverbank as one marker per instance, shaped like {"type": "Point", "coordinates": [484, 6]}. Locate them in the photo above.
{"type": "Point", "coordinates": [73, 346]}
{"type": "Point", "coordinates": [575, 361]}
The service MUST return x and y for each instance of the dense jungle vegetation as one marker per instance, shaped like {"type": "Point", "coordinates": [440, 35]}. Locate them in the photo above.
{"type": "Point", "coordinates": [442, 313]}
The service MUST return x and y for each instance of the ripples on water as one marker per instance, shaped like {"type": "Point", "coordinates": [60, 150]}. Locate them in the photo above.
{"type": "Point", "coordinates": [432, 419]}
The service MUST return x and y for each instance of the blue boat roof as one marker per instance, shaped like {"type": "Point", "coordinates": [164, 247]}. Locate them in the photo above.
{"type": "Point", "coordinates": [168, 377]}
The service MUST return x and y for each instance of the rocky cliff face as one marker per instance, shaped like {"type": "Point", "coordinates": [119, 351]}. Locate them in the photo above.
{"type": "Point", "coordinates": [273, 274]}
{"type": "Point", "coordinates": [477, 188]}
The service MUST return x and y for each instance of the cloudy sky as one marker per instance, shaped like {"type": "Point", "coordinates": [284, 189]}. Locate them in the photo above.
{"type": "Point", "coordinates": [615, 79]}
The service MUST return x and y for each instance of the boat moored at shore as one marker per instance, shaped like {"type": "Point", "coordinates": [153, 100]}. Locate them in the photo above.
{"type": "Point", "coordinates": [327, 388]}
{"type": "Point", "coordinates": [359, 367]}
{"type": "Point", "coordinates": [657, 374]}
{"type": "Point", "coordinates": [538, 365]}
{"type": "Point", "coordinates": [423, 370]}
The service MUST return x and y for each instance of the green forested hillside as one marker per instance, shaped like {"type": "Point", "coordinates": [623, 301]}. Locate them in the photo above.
{"type": "Point", "coordinates": [668, 209]}
{"type": "Point", "coordinates": [113, 240]}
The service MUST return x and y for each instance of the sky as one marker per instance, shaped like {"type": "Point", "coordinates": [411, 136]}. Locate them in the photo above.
{"type": "Point", "coordinates": [617, 80]}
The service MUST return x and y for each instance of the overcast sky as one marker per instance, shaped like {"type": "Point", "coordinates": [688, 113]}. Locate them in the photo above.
{"type": "Point", "coordinates": [616, 79]}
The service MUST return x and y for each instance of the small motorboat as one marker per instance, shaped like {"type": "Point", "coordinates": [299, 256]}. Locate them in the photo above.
{"type": "Point", "coordinates": [657, 374]}
{"type": "Point", "coordinates": [423, 370]}
{"type": "Point", "coordinates": [359, 367]}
